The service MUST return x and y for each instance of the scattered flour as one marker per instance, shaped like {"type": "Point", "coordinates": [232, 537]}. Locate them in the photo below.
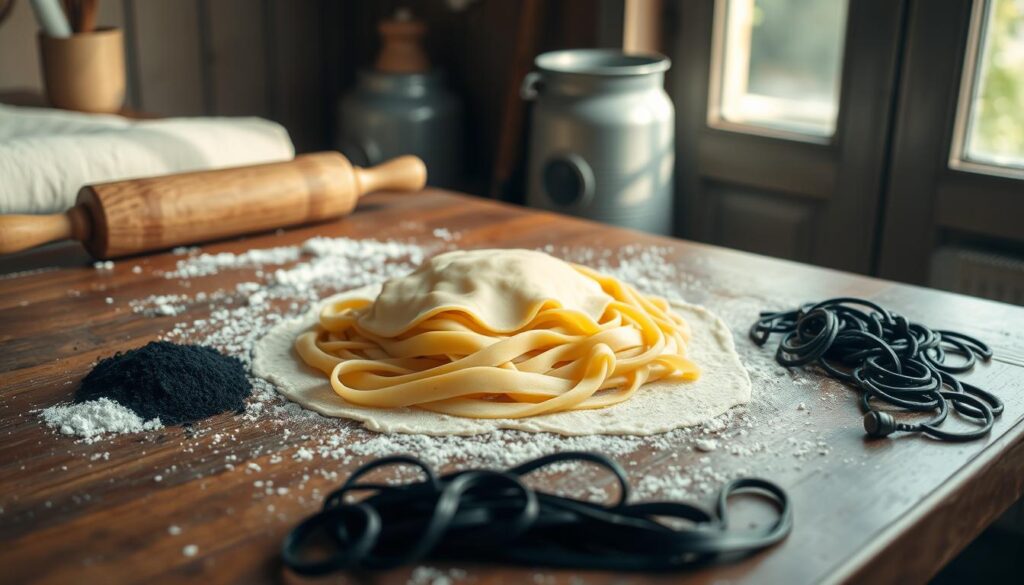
{"type": "Point", "coordinates": [301, 275]}
{"type": "Point", "coordinates": [238, 318]}
{"type": "Point", "coordinates": [91, 420]}
{"type": "Point", "coordinates": [233, 319]}
{"type": "Point", "coordinates": [205, 264]}
{"type": "Point", "coordinates": [446, 234]}
{"type": "Point", "coordinates": [318, 453]}
{"type": "Point", "coordinates": [706, 445]}
{"type": "Point", "coordinates": [160, 305]}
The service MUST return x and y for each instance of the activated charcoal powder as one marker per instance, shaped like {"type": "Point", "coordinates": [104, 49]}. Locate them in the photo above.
{"type": "Point", "coordinates": [176, 383]}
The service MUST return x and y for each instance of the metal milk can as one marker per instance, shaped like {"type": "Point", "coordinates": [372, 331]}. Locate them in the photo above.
{"type": "Point", "coordinates": [602, 138]}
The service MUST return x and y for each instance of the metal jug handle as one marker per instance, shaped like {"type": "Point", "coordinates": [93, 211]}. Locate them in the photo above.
{"type": "Point", "coordinates": [533, 82]}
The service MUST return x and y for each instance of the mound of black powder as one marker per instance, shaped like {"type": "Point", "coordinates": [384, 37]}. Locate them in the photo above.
{"type": "Point", "coordinates": [175, 383]}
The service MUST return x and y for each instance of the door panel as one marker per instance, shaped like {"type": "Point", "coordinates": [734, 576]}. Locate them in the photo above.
{"type": "Point", "coordinates": [764, 223]}
{"type": "Point", "coordinates": [756, 161]}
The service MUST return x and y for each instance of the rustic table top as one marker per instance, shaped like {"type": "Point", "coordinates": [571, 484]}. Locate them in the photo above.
{"type": "Point", "coordinates": [880, 511]}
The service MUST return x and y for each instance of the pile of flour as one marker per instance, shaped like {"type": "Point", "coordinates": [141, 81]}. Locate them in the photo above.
{"type": "Point", "coordinates": [93, 419]}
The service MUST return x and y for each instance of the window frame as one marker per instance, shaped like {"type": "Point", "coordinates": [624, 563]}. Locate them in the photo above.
{"type": "Point", "coordinates": [931, 199]}
{"type": "Point", "coordinates": [716, 80]}
{"type": "Point", "coordinates": [969, 79]}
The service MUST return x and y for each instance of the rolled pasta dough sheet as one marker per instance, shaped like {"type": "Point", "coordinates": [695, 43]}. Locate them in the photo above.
{"type": "Point", "coordinates": [657, 407]}
{"type": "Point", "coordinates": [502, 289]}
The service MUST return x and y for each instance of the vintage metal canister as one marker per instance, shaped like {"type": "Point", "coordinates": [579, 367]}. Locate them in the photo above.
{"type": "Point", "coordinates": [402, 106]}
{"type": "Point", "coordinates": [391, 114]}
{"type": "Point", "coordinates": [602, 140]}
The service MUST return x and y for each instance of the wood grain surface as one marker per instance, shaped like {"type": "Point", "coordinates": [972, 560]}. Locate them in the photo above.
{"type": "Point", "coordinates": [870, 511]}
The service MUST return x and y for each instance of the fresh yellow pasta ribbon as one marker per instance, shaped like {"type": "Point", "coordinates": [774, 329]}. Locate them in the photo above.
{"type": "Point", "coordinates": [451, 363]}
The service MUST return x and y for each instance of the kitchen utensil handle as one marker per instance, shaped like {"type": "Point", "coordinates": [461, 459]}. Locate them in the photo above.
{"type": "Point", "coordinates": [405, 173]}
{"type": "Point", "coordinates": [51, 18]}
{"type": "Point", "coordinates": [21, 232]}
{"type": "Point", "coordinates": [533, 82]}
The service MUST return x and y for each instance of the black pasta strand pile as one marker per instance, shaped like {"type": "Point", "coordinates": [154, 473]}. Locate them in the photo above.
{"type": "Point", "coordinates": [485, 515]}
{"type": "Point", "coordinates": [888, 359]}
{"type": "Point", "coordinates": [178, 384]}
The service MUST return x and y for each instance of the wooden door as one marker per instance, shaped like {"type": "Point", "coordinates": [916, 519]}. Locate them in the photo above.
{"type": "Point", "coordinates": [799, 176]}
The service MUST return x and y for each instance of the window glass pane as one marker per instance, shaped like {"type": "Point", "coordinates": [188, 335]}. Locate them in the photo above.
{"type": "Point", "coordinates": [781, 64]}
{"type": "Point", "coordinates": [995, 131]}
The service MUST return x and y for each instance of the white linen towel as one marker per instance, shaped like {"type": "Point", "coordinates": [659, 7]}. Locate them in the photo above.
{"type": "Point", "coordinates": [46, 155]}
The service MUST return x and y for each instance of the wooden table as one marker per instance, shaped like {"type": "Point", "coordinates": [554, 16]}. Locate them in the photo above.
{"type": "Point", "coordinates": [870, 511]}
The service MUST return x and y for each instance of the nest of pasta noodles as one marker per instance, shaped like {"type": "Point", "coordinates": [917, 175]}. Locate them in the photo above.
{"type": "Point", "coordinates": [498, 334]}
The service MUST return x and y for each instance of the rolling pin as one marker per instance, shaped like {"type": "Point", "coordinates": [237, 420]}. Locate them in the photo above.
{"type": "Point", "coordinates": [141, 215]}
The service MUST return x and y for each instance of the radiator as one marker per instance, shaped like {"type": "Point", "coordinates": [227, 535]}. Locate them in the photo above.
{"type": "Point", "coordinates": [993, 276]}
{"type": "Point", "coordinates": [979, 273]}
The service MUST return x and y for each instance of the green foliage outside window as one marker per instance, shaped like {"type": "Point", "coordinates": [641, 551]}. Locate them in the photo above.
{"type": "Point", "coordinates": [997, 125]}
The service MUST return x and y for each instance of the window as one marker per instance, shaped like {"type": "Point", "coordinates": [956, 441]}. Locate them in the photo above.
{"type": "Point", "coordinates": [991, 119]}
{"type": "Point", "coordinates": [777, 65]}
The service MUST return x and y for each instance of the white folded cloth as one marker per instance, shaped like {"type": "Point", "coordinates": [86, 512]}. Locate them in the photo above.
{"type": "Point", "coordinates": [47, 155]}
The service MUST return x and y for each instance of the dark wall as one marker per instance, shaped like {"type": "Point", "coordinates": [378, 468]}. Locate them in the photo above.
{"type": "Point", "coordinates": [289, 60]}
{"type": "Point", "coordinates": [477, 49]}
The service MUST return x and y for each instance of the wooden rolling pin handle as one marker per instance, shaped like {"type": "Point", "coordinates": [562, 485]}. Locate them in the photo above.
{"type": "Point", "coordinates": [21, 232]}
{"type": "Point", "coordinates": [405, 173]}
{"type": "Point", "coordinates": [139, 215]}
